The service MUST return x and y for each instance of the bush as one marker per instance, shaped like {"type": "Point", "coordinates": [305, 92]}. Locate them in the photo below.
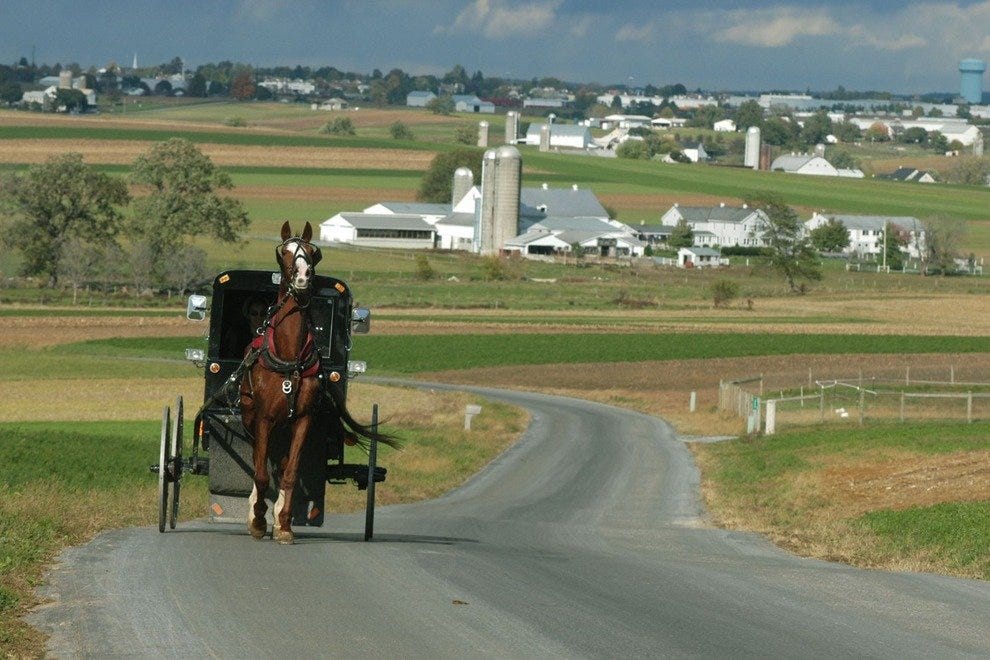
{"type": "Point", "coordinates": [466, 134]}
{"type": "Point", "coordinates": [339, 126]}
{"type": "Point", "coordinates": [400, 131]}
{"type": "Point", "coordinates": [424, 271]}
{"type": "Point", "coordinates": [743, 251]}
{"type": "Point", "coordinates": [724, 291]}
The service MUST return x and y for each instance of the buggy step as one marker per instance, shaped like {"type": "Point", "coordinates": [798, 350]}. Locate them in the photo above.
{"type": "Point", "coordinates": [358, 473]}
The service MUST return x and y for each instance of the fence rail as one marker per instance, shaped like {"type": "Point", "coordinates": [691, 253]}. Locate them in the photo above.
{"type": "Point", "coordinates": [856, 399]}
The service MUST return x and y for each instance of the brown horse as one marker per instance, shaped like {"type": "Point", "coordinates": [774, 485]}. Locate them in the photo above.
{"type": "Point", "coordinates": [283, 384]}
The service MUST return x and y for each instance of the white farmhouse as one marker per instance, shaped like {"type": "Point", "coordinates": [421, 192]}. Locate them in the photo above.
{"type": "Point", "coordinates": [866, 232]}
{"type": "Point", "coordinates": [725, 126]}
{"type": "Point", "coordinates": [720, 225]}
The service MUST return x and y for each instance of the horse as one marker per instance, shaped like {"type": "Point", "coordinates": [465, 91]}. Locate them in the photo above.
{"type": "Point", "coordinates": [282, 385]}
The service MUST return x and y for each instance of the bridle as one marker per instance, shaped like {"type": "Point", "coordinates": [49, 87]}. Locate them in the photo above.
{"type": "Point", "coordinates": [309, 253]}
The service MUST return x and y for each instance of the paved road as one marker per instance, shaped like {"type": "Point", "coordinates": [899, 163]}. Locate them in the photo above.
{"type": "Point", "coordinates": [586, 539]}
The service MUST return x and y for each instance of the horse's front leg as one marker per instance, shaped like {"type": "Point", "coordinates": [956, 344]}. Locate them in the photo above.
{"type": "Point", "coordinates": [257, 507]}
{"type": "Point", "coordinates": [282, 527]}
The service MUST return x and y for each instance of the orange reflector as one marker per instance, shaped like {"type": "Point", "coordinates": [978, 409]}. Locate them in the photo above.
{"type": "Point", "coordinates": [334, 376]}
{"type": "Point", "coordinates": [214, 368]}
{"type": "Point", "coordinates": [217, 509]}
{"type": "Point", "coordinates": [314, 513]}
{"type": "Point", "coordinates": [340, 287]}
{"type": "Point", "coordinates": [349, 440]}
{"type": "Point", "coordinates": [199, 433]}
{"type": "Point", "coordinates": [224, 279]}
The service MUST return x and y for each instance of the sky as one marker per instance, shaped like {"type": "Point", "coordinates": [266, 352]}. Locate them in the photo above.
{"type": "Point", "coordinates": [903, 46]}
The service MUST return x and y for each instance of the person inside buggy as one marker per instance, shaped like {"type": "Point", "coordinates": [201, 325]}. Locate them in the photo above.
{"type": "Point", "coordinates": [243, 328]}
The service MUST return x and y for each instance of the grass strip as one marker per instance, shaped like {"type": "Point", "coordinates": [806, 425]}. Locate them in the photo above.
{"type": "Point", "coordinates": [957, 533]}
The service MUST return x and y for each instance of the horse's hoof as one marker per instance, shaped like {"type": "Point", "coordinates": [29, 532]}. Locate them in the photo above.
{"type": "Point", "coordinates": [258, 533]}
{"type": "Point", "coordinates": [284, 536]}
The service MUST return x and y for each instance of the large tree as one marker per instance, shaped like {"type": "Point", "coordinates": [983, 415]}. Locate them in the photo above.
{"type": "Point", "coordinates": [55, 202]}
{"type": "Point", "coordinates": [183, 201]}
{"type": "Point", "coordinates": [942, 245]}
{"type": "Point", "coordinates": [789, 247]}
{"type": "Point", "coordinates": [832, 236]}
{"type": "Point", "coordinates": [437, 183]}
{"type": "Point", "coordinates": [681, 235]}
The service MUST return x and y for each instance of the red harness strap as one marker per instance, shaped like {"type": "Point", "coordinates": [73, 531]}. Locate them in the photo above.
{"type": "Point", "coordinates": [308, 347]}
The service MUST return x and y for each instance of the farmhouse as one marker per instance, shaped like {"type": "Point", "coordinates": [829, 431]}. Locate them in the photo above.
{"type": "Point", "coordinates": [719, 225]}
{"type": "Point", "coordinates": [866, 232]}
{"type": "Point", "coordinates": [908, 174]}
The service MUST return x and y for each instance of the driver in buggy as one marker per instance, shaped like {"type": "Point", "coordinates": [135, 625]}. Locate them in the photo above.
{"type": "Point", "coordinates": [238, 337]}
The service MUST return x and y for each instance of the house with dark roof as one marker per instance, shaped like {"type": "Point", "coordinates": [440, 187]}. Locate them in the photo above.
{"type": "Point", "coordinates": [908, 174]}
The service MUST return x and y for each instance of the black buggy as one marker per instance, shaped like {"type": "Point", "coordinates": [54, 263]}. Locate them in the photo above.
{"type": "Point", "coordinates": [218, 432]}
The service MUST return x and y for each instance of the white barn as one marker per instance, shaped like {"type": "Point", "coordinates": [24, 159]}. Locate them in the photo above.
{"type": "Point", "coordinates": [387, 230]}
{"type": "Point", "coordinates": [566, 136]}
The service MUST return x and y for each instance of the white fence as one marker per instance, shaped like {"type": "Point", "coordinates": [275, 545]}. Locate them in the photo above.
{"type": "Point", "coordinates": [905, 394]}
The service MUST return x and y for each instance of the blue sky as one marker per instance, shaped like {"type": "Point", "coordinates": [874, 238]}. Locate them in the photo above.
{"type": "Point", "coordinates": [903, 47]}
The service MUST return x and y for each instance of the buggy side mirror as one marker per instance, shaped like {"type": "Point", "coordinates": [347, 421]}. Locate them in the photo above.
{"type": "Point", "coordinates": [196, 307]}
{"type": "Point", "coordinates": [361, 321]}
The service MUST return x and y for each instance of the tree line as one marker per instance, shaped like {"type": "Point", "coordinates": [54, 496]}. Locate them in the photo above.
{"type": "Point", "coordinates": [72, 223]}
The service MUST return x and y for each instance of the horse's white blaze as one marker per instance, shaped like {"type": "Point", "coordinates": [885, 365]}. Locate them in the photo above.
{"type": "Point", "coordinates": [279, 505]}
{"type": "Point", "coordinates": [302, 277]}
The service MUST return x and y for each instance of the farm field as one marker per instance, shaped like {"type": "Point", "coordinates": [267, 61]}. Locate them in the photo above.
{"type": "Point", "coordinates": [277, 137]}
{"type": "Point", "coordinates": [636, 337]}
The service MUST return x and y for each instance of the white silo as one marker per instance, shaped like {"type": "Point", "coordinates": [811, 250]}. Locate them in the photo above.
{"type": "Point", "coordinates": [545, 137]}
{"type": "Point", "coordinates": [485, 218]}
{"type": "Point", "coordinates": [463, 180]}
{"type": "Point", "coordinates": [508, 178]}
{"type": "Point", "coordinates": [65, 79]}
{"type": "Point", "coordinates": [511, 127]}
{"type": "Point", "coordinates": [483, 134]}
{"type": "Point", "coordinates": [752, 157]}
{"type": "Point", "coordinates": [978, 144]}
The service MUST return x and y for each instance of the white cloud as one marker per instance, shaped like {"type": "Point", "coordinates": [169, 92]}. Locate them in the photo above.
{"type": "Point", "coordinates": [776, 26]}
{"type": "Point", "coordinates": [498, 19]}
{"type": "Point", "coordinates": [644, 32]}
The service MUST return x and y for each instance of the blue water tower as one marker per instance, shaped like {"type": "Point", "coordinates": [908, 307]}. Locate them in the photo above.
{"type": "Point", "coordinates": [971, 80]}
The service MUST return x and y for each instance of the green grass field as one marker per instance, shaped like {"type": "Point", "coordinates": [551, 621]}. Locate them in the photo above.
{"type": "Point", "coordinates": [764, 473]}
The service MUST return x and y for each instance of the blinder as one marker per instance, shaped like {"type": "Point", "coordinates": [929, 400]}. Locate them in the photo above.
{"type": "Point", "coordinates": [314, 259]}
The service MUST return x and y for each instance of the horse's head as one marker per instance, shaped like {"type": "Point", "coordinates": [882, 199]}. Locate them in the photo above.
{"type": "Point", "coordinates": [297, 258]}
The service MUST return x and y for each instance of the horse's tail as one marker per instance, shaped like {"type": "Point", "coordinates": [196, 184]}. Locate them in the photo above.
{"type": "Point", "coordinates": [360, 433]}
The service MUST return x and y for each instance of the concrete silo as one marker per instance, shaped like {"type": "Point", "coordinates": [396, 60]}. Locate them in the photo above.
{"type": "Point", "coordinates": [752, 156]}
{"type": "Point", "coordinates": [545, 137]}
{"type": "Point", "coordinates": [463, 180]}
{"type": "Point", "coordinates": [483, 134]}
{"type": "Point", "coordinates": [485, 216]}
{"type": "Point", "coordinates": [511, 127]}
{"type": "Point", "coordinates": [508, 179]}
{"type": "Point", "coordinates": [971, 80]}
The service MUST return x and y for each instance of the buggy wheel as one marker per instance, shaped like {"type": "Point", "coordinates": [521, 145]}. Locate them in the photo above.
{"type": "Point", "coordinates": [175, 463]}
{"type": "Point", "coordinates": [163, 456]}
